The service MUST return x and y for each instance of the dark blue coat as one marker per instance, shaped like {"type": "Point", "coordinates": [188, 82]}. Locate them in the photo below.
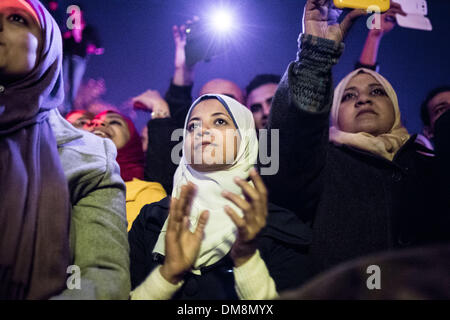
{"type": "Point", "coordinates": [283, 245]}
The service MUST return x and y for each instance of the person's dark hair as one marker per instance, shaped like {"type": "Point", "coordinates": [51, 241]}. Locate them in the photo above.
{"type": "Point", "coordinates": [424, 115]}
{"type": "Point", "coordinates": [260, 80]}
{"type": "Point", "coordinates": [414, 274]}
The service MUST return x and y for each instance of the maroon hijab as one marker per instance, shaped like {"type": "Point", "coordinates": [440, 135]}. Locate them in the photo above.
{"type": "Point", "coordinates": [34, 197]}
{"type": "Point", "coordinates": [130, 157]}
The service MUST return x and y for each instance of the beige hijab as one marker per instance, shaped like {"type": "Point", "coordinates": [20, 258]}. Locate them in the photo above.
{"type": "Point", "coordinates": [385, 145]}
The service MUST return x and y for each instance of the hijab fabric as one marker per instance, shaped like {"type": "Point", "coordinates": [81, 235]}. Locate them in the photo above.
{"type": "Point", "coordinates": [220, 231]}
{"type": "Point", "coordinates": [23, 4]}
{"type": "Point", "coordinates": [130, 157]}
{"type": "Point", "coordinates": [384, 145]}
{"type": "Point", "coordinates": [34, 198]}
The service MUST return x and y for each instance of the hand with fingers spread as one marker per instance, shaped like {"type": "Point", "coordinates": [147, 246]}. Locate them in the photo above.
{"type": "Point", "coordinates": [254, 208]}
{"type": "Point", "coordinates": [320, 19]}
{"type": "Point", "coordinates": [182, 246]}
{"type": "Point", "coordinates": [184, 74]}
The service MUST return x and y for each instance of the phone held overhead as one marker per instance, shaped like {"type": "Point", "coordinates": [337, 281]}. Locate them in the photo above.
{"type": "Point", "coordinates": [416, 11]}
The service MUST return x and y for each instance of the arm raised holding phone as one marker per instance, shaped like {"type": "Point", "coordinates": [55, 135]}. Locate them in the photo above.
{"type": "Point", "coordinates": [387, 22]}
{"type": "Point", "coordinates": [301, 108]}
{"type": "Point", "coordinates": [321, 20]}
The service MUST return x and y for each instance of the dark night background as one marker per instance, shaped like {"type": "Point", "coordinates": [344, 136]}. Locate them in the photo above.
{"type": "Point", "coordinates": [139, 48]}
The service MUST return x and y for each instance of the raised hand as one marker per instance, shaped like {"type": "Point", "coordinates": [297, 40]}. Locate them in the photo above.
{"type": "Point", "coordinates": [183, 73]}
{"type": "Point", "coordinates": [182, 246]}
{"type": "Point", "coordinates": [254, 207]}
{"type": "Point", "coordinates": [320, 19]}
{"type": "Point", "coordinates": [152, 101]}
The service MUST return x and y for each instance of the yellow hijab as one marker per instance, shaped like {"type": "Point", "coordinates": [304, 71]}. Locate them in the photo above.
{"type": "Point", "coordinates": [385, 145]}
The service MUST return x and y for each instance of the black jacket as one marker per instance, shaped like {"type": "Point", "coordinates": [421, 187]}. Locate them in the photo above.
{"type": "Point", "coordinates": [283, 245]}
{"type": "Point", "coordinates": [356, 202]}
{"type": "Point", "coordinates": [215, 282]}
{"type": "Point", "coordinates": [159, 165]}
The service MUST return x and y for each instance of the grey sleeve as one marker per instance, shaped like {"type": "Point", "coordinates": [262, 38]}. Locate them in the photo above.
{"type": "Point", "coordinates": [310, 79]}
{"type": "Point", "coordinates": [99, 238]}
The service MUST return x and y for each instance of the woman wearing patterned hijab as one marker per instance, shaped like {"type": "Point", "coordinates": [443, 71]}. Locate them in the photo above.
{"type": "Point", "coordinates": [62, 199]}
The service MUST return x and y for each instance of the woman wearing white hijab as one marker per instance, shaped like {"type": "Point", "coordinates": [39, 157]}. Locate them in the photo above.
{"type": "Point", "coordinates": [214, 213]}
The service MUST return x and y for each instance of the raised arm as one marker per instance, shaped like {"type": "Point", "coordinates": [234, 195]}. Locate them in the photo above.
{"type": "Point", "coordinates": [301, 106]}
{"type": "Point", "coordinates": [369, 54]}
{"type": "Point", "coordinates": [160, 166]}
{"type": "Point", "coordinates": [179, 95]}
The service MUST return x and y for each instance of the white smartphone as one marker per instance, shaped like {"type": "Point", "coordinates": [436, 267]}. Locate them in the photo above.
{"type": "Point", "coordinates": [416, 11]}
{"type": "Point", "coordinates": [414, 21]}
{"type": "Point", "coordinates": [419, 7]}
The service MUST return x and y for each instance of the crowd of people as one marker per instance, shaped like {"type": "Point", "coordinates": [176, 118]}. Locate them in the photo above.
{"type": "Point", "coordinates": [83, 187]}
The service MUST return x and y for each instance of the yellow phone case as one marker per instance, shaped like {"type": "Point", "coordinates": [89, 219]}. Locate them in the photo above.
{"type": "Point", "coordinates": [384, 5]}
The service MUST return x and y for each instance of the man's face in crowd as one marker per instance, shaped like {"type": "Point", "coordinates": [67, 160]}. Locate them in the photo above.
{"type": "Point", "coordinates": [436, 108]}
{"type": "Point", "coordinates": [259, 101]}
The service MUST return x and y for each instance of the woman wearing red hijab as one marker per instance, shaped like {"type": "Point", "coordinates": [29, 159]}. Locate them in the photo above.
{"type": "Point", "coordinates": [130, 156]}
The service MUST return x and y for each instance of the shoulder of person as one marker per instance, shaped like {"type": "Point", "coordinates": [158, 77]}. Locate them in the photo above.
{"type": "Point", "coordinates": [80, 141]}
{"type": "Point", "coordinates": [154, 215]}
{"type": "Point", "coordinates": [84, 156]}
{"type": "Point", "coordinates": [144, 191]}
{"type": "Point", "coordinates": [285, 226]}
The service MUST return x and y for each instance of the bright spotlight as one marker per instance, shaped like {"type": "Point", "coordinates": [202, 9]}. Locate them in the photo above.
{"type": "Point", "coordinates": [212, 35]}
{"type": "Point", "coordinates": [222, 20]}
